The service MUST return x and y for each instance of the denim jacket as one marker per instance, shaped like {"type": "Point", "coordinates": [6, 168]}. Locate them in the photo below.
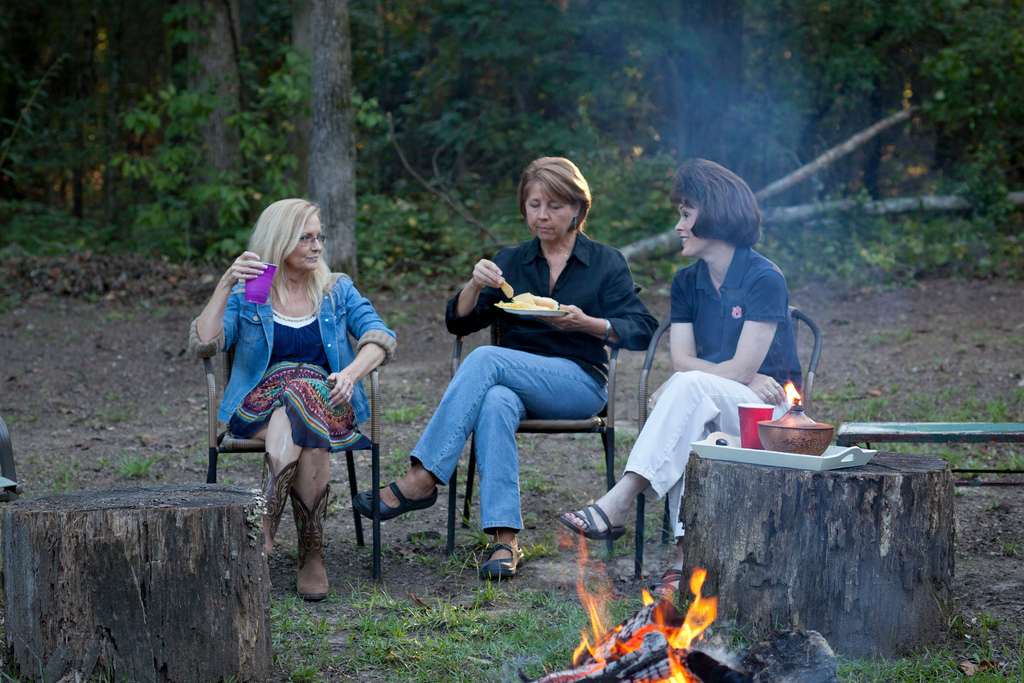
{"type": "Point", "coordinates": [250, 328]}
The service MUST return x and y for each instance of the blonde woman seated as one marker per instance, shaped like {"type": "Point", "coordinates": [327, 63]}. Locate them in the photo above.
{"type": "Point", "coordinates": [295, 380]}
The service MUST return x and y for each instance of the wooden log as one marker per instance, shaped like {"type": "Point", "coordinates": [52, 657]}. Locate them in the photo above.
{"type": "Point", "coordinates": [649, 246]}
{"type": "Point", "coordinates": [155, 584]}
{"type": "Point", "coordinates": [862, 555]}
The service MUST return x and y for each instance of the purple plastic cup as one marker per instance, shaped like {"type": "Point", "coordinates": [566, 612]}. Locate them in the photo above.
{"type": "Point", "coordinates": [257, 290]}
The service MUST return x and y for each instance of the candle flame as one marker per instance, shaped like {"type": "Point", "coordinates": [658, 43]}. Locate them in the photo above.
{"type": "Point", "coordinates": [792, 394]}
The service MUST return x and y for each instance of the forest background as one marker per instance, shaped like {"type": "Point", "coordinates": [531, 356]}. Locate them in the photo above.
{"type": "Point", "coordinates": [140, 139]}
{"type": "Point", "coordinates": [164, 127]}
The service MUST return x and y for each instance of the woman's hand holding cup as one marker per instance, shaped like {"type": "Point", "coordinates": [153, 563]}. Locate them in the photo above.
{"type": "Point", "coordinates": [245, 267]}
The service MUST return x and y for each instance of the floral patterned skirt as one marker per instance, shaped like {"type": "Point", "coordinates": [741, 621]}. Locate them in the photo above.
{"type": "Point", "coordinates": [303, 390]}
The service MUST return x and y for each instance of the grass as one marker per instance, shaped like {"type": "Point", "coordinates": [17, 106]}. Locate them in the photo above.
{"type": "Point", "coordinates": [490, 637]}
{"type": "Point", "coordinates": [402, 413]}
{"type": "Point", "coordinates": [135, 466]}
{"type": "Point", "coordinates": [501, 629]}
{"type": "Point", "coordinates": [300, 638]}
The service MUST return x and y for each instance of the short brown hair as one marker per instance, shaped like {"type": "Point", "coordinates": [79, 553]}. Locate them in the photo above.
{"type": "Point", "coordinates": [560, 179]}
{"type": "Point", "coordinates": [726, 208]}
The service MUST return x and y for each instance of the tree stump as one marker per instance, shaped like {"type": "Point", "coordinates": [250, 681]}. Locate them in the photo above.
{"type": "Point", "coordinates": [862, 555]}
{"type": "Point", "coordinates": [153, 584]}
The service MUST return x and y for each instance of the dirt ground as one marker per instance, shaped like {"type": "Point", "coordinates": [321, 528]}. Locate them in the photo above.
{"type": "Point", "coordinates": [95, 385]}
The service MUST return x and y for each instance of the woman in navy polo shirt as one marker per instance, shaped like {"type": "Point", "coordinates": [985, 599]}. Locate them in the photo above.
{"type": "Point", "coordinates": [731, 343]}
{"type": "Point", "coordinates": [543, 367]}
{"type": "Point", "coordinates": [295, 379]}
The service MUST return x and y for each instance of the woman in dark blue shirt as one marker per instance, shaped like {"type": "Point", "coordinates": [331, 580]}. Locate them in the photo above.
{"type": "Point", "coordinates": [731, 343]}
{"type": "Point", "coordinates": [553, 367]}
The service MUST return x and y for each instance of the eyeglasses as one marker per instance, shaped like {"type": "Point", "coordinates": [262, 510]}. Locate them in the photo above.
{"type": "Point", "coordinates": [306, 239]}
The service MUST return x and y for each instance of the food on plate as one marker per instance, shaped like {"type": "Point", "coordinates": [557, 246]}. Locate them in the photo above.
{"type": "Point", "coordinates": [529, 302]}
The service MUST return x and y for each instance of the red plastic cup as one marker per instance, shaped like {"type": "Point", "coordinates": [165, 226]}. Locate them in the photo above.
{"type": "Point", "coordinates": [257, 290]}
{"type": "Point", "coordinates": [750, 414]}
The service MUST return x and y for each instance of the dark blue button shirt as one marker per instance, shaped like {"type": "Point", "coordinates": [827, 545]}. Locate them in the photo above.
{"type": "Point", "coordinates": [754, 289]}
{"type": "Point", "coordinates": [596, 278]}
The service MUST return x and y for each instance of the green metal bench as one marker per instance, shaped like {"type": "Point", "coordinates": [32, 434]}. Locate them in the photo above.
{"type": "Point", "coordinates": [853, 433]}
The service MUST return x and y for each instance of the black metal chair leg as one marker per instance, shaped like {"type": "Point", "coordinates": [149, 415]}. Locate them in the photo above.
{"type": "Point", "coordinates": [666, 525]}
{"type": "Point", "coordinates": [211, 469]}
{"type": "Point", "coordinates": [350, 462]}
{"type": "Point", "coordinates": [638, 561]}
{"type": "Point", "coordinates": [375, 500]}
{"type": "Point", "coordinates": [452, 505]}
{"type": "Point", "coordinates": [608, 437]}
{"type": "Point", "coordinates": [470, 471]}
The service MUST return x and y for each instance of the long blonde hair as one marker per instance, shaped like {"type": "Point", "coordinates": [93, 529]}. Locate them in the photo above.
{"type": "Point", "coordinates": [277, 235]}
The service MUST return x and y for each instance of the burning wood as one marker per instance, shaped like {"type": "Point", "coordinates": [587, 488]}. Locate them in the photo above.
{"type": "Point", "coordinates": [649, 647]}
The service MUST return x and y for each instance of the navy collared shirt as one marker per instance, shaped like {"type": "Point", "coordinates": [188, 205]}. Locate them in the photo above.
{"type": "Point", "coordinates": [596, 278]}
{"type": "Point", "coordinates": [754, 289]}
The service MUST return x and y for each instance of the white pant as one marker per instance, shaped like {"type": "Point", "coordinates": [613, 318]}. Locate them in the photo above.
{"type": "Point", "coordinates": [692, 405]}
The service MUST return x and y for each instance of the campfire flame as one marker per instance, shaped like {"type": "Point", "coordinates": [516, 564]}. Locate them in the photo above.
{"type": "Point", "coordinates": [595, 603]}
{"type": "Point", "coordinates": [603, 644]}
{"type": "Point", "coordinates": [793, 395]}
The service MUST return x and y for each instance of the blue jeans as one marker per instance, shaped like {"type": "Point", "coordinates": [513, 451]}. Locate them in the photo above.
{"type": "Point", "coordinates": [493, 389]}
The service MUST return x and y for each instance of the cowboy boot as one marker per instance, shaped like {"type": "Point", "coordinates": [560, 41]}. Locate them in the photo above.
{"type": "Point", "coordinates": [275, 490]}
{"type": "Point", "coordinates": [311, 582]}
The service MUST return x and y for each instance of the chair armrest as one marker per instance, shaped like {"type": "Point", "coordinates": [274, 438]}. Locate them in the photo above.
{"type": "Point", "coordinates": [456, 355]}
{"type": "Point", "coordinates": [643, 392]}
{"type": "Point", "coordinates": [211, 401]}
{"type": "Point", "coordinates": [812, 364]}
{"type": "Point", "coordinates": [613, 363]}
{"type": "Point", "coordinates": [375, 406]}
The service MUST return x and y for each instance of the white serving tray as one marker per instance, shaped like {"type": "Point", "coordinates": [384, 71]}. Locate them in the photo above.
{"type": "Point", "coordinates": [834, 457]}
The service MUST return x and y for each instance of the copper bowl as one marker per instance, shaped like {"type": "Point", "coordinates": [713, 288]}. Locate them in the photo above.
{"type": "Point", "coordinates": [794, 432]}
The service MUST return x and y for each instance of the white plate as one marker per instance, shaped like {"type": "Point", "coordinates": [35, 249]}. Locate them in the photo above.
{"type": "Point", "coordinates": [540, 312]}
{"type": "Point", "coordinates": [834, 457]}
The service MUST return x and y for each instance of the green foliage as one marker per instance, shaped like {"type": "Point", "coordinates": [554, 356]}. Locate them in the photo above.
{"type": "Point", "coordinates": [478, 88]}
{"type": "Point", "coordinates": [173, 171]}
{"type": "Point", "coordinates": [978, 97]}
{"type": "Point", "coordinates": [857, 252]}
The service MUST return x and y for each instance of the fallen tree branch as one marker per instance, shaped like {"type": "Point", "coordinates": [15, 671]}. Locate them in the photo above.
{"type": "Point", "coordinates": [831, 155]}
{"type": "Point", "coordinates": [457, 207]}
{"type": "Point", "coordinates": [805, 212]}
{"type": "Point", "coordinates": [649, 245]}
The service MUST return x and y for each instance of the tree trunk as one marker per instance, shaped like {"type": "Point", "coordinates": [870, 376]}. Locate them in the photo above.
{"type": "Point", "coordinates": [113, 107]}
{"type": "Point", "coordinates": [155, 584]}
{"type": "Point", "coordinates": [298, 141]}
{"type": "Point", "coordinates": [213, 71]}
{"type": "Point", "coordinates": [332, 181]}
{"type": "Point", "coordinates": [862, 555]}
{"type": "Point", "coordinates": [705, 76]}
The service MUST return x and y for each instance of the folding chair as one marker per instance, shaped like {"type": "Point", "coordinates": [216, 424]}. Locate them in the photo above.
{"type": "Point", "coordinates": [643, 398]}
{"type": "Point", "coordinates": [224, 442]}
{"type": "Point", "coordinates": [603, 423]}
